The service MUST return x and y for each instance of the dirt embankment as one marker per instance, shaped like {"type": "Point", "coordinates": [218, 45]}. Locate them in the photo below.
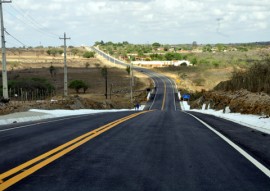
{"type": "Point", "coordinates": [241, 101]}
{"type": "Point", "coordinates": [71, 103]}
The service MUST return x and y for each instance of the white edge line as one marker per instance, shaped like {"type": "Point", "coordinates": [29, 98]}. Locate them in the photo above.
{"type": "Point", "coordinates": [259, 165]}
{"type": "Point", "coordinates": [155, 95]}
{"type": "Point", "coordinates": [38, 123]}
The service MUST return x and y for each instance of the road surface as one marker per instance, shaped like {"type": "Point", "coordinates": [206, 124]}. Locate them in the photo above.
{"type": "Point", "coordinates": [161, 149]}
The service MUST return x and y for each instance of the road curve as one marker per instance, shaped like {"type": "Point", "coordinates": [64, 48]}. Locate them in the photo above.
{"type": "Point", "coordinates": [165, 97]}
{"type": "Point", "coordinates": [164, 149]}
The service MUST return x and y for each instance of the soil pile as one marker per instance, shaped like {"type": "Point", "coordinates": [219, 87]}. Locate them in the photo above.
{"type": "Point", "coordinates": [241, 101]}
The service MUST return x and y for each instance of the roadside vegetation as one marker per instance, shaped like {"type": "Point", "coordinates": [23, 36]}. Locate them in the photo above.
{"type": "Point", "coordinates": [36, 74]}
{"type": "Point", "coordinates": [212, 63]}
{"type": "Point", "coordinates": [34, 88]}
{"type": "Point", "coordinates": [245, 64]}
{"type": "Point", "coordinates": [254, 79]}
{"type": "Point", "coordinates": [77, 85]}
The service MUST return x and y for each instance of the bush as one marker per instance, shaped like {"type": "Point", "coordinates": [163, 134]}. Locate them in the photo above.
{"type": "Point", "coordinates": [54, 51]}
{"type": "Point", "coordinates": [31, 84]}
{"type": "Point", "coordinates": [77, 85]}
{"type": "Point", "coordinates": [215, 63]}
{"type": "Point", "coordinates": [255, 79]}
{"type": "Point", "coordinates": [173, 56]}
{"type": "Point", "coordinates": [37, 87]}
{"type": "Point", "coordinates": [88, 54]}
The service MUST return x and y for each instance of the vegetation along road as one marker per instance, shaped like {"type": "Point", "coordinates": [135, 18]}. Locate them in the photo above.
{"type": "Point", "coordinates": [162, 148]}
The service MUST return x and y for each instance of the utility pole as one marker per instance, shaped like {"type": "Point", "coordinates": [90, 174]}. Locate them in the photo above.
{"type": "Point", "coordinates": [131, 82]}
{"type": "Point", "coordinates": [65, 64]}
{"type": "Point", "coordinates": [4, 63]}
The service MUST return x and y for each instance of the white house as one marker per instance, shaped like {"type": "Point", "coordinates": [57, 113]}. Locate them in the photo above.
{"type": "Point", "coordinates": [162, 63]}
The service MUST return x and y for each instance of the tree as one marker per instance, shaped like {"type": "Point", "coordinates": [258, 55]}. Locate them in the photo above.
{"type": "Point", "coordinates": [60, 51]}
{"type": "Point", "coordinates": [194, 44]}
{"type": "Point", "coordinates": [156, 45]}
{"type": "Point", "coordinates": [140, 53]}
{"type": "Point", "coordinates": [52, 70]}
{"type": "Point", "coordinates": [52, 51]}
{"type": "Point", "coordinates": [128, 70]}
{"type": "Point", "coordinates": [125, 43]}
{"type": "Point", "coordinates": [104, 73]}
{"type": "Point", "coordinates": [77, 85]}
{"type": "Point", "coordinates": [173, 56]}
{"type": "Point", "coordinates": [207, 48]}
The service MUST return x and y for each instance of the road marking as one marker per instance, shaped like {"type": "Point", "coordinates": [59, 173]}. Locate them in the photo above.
{"type": "Point", "coordinates": [259, 165]}
{"type": "Point", "coordinates": [38, 123]}
{"type": "Point", "coordinates": [154, 99]}
{"type": "Point", "coordinates": [164, 97]}
{"type": "Point", "coordinates": [151, 75]}
{"type": "Point", "coordinates": [18, 173]}
{"type": "Point", "coordinates": [174, 88]}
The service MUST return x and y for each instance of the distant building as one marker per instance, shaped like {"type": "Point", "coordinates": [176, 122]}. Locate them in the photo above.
{"type": "Point", "coordinates": [162, 63]}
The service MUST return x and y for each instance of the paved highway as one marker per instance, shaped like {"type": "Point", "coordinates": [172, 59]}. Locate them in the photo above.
{"type": "Point", "coordinates": [162, 149]}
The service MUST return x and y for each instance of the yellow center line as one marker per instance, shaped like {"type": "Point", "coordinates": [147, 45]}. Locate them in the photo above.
{"type": "Point", "coordinates": [164, 97]}
{"type": "Point", "coordinates": [56, 153]}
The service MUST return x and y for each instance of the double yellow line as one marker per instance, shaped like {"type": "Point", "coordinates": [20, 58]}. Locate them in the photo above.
{"type": "Point", "coordinates": [18, 173]}
{"type": "Point", "coordinates": [164, 97]}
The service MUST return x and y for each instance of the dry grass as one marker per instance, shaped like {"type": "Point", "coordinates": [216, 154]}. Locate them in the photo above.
{"type": "Point", "coordinates": [212, 68]}
{"type": "Point", "coordinates": [29, 64]}
{"type": "Point", "coordinates": [255, 79]}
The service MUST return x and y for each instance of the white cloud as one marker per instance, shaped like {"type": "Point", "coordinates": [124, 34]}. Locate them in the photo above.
{"type": "Point", "coordinates": [141, 21]}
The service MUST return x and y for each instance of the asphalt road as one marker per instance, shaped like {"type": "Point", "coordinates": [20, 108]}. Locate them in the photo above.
{"type": "Point", "coordinates": [165, 149]}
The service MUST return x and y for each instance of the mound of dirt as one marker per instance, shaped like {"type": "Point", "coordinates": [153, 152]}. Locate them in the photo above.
{"type": "Point", "coordinates": [72, 103]}
{"type": "Point", "coordinates": [241, 101]}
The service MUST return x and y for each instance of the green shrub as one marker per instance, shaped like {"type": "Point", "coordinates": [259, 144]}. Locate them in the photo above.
{"type": "Point", "coordinates": [77, 85]}
{"type": "Point", "coordinates": [215, 63]}
{"type": "Point", "coordinates": [31, 84]}
{"type": "Point", "coordinates": [54, 51]}
{"type": "Point", "coordinates": [88, 54]}
{"type": "Point", "coordinates": [38, 87]}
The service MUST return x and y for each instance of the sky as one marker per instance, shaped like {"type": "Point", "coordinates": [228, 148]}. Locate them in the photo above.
{"type": "Point", "coordinates": [34, 23]}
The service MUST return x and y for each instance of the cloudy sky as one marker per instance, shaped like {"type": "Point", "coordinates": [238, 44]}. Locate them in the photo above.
{"type": "Point", "coordinates": [33, 23]}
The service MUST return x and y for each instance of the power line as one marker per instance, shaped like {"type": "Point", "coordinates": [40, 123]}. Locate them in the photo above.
{"type": "Point", "coordinates": [14, 37]}
{"type": "Point", "coordinates": [31, 19]}
{"type": "Point", "coordinates": [31, 25]}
